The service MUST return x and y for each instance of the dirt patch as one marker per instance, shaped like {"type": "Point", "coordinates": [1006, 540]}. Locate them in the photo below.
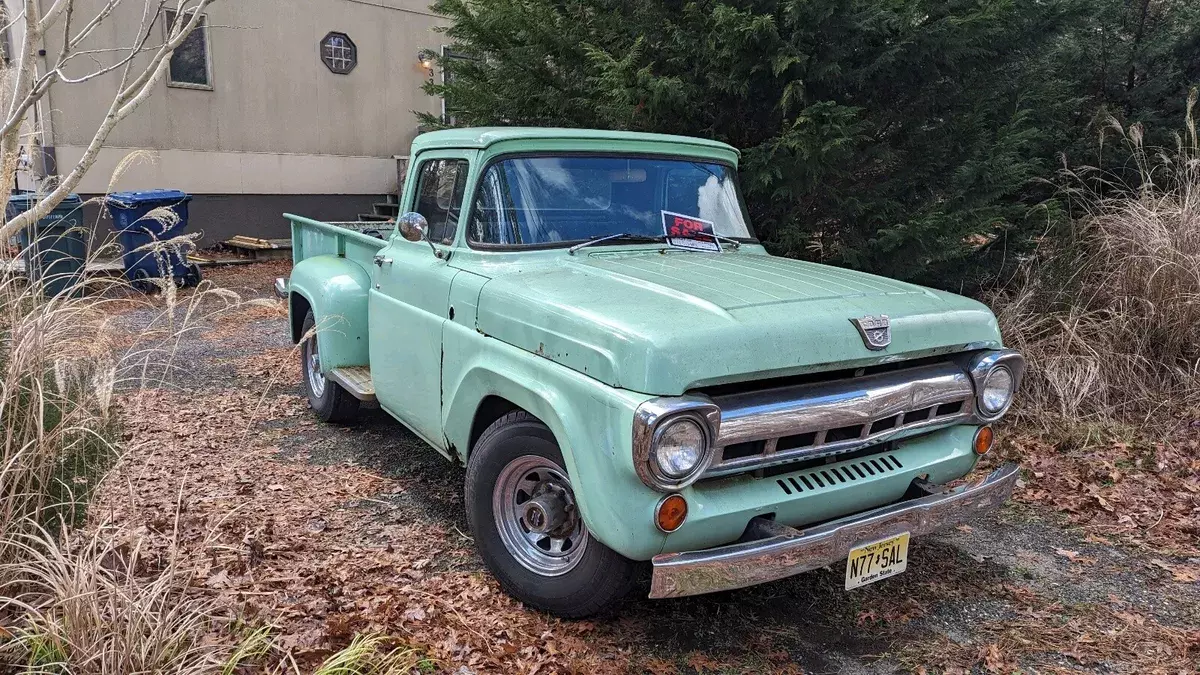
{"type": "Point", "coordinates": [256, 280]}
{"type": "Point", "coordinates": [1134, 491]}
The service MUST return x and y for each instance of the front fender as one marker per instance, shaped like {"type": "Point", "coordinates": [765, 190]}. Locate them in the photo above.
{"type": "Point", "coordinates": [592, 422]}
{"type": "Point", "coordinates": [336, 289]}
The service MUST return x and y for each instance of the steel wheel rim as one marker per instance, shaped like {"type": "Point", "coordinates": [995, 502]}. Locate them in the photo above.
{"type": "Point", "coordinates": [312, 362]}
{"type": "Point", "coordinates": [542, 554]}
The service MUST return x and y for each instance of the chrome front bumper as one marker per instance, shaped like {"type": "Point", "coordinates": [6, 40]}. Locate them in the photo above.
{"type": "Point", "coordinates": [790, 551]}
{"type": "Point", "coordinates": [281, 288]}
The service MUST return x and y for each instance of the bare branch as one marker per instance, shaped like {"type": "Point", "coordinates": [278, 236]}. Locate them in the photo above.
{"type": "Point", "coordinates": [105, 69]}
{"type": "Point", "coordinates": [53, 13]}
{"type": "Point", "coordinates": [96, 21]}
{"type": "Point", "coordinates": [17, 19]}
{"type": "Point", "coordinates": [66, 38]}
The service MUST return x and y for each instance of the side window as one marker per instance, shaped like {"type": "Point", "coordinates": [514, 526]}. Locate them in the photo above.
{"type": "Point", "coordinates": [440, 188]}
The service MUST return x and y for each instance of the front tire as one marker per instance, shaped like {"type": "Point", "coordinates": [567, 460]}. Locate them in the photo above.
{"type": "Point", "coordinates": [522, 513]}
{"type": "Point", "coordinates": [328, 399]}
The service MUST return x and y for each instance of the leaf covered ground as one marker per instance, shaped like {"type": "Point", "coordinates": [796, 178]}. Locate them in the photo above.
{"type": "Point", "coordinates": [324, 532]}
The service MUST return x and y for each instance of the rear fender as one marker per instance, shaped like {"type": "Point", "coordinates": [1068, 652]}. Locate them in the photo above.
{"type": "Point", "coordinates": [336, 290]}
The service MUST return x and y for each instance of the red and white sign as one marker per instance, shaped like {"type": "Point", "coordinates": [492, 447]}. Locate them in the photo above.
{"type": "Point", "coordinates": [690, 232]}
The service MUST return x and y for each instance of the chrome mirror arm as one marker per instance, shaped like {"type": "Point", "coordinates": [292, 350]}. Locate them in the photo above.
{"type": "Point", "coordinates": [414, 227]}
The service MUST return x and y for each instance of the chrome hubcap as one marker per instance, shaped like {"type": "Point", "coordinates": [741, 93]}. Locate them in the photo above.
{"type": "Point", "coordinates": [537, 517]}
{"type": "Point", "coordinates": [316, 380]}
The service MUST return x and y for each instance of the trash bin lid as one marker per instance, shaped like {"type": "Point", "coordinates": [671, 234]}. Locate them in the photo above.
{"type": "Point", "coordinates": [20, 202]}
{"type": "Point", "coordinates": [140, 197]}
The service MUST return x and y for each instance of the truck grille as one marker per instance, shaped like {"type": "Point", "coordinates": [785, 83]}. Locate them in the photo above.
{"type": "Point", "coordinates": [789, 424]}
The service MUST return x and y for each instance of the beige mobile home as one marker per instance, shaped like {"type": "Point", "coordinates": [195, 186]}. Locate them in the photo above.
{"type": "Point", "coordinates": [273, 105]}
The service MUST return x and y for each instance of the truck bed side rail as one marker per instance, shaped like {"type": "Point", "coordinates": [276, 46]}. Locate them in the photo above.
{"type": "Point", "coordinates": [357, 241]}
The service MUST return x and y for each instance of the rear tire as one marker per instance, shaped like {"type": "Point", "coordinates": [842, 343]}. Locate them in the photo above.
{"type": "Point", "coordinates": [328, 399]}
{"type": "Point", "coordinates": [570, 573]}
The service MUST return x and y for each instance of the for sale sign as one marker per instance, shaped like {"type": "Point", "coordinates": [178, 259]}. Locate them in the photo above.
{"type": "Point", "coordinates": [689, 232]}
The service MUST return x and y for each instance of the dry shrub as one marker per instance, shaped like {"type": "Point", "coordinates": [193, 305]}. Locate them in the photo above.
{"type": "Point", "coordinates": [98, 598]}
{"type": "Point", "coordinates": [1109, 315]}
{"type": "Point", "coordinates": [88, 599]}
{"type": "Point", "coordinates": [97, 604]}
{"type": "Point", "coordinates": [56, 393]}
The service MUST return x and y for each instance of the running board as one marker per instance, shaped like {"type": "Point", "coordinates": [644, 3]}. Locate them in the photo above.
{"type": "Point", "coordinates": [356, 380]}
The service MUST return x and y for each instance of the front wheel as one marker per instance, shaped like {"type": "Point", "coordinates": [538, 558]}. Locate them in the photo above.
{"type": "Point", "coordinates": [328, 399]}
{"type": "Point", "coordinates": [527, 526]}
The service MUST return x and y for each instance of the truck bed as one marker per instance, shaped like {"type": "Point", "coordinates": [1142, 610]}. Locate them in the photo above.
{"type": "Point", "coordinates": [358, 241]}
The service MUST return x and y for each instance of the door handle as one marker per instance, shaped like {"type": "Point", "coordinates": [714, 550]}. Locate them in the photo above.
{"type": "Point", "coordinates": [380, 261]}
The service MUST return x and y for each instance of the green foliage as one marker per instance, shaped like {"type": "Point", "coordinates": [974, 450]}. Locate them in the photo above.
{"type": "Point", "coordinates": [899, 136]}
{"type": "Point", "coordinates": [369, 654]}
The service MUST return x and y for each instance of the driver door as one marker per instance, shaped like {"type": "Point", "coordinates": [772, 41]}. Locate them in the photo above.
{"type": "Point", "coordinates": [410, 299]}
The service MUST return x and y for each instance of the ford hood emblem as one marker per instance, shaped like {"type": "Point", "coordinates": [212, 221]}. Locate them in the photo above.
{"type": "Point", "coordinates": [876, 331]}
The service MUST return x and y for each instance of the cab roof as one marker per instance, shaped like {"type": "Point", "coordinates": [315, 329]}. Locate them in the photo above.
{"type": "Point", "coordinates": [484, 137]}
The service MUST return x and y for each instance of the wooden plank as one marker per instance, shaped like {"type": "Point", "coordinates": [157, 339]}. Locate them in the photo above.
{"type": "Point", "coordinates": [115, 267]}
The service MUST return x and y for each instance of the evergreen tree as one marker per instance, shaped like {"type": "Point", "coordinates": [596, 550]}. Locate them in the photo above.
{"type": "Point", "coordinates": [898, 136]}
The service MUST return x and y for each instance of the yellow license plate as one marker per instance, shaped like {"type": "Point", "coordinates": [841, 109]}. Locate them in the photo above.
{"type": "Point", "coordinates": [869, 563]}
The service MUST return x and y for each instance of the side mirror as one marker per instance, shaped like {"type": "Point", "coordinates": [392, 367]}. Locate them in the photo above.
{"type": "Point", "coordinates": [414, 227]}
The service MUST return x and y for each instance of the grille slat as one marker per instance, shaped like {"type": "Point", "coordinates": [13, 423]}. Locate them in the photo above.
{"type": "Point", "coordinates": [831, 476]}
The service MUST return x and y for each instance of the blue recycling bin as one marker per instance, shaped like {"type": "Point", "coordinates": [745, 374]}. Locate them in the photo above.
{"type": "Point", "coordinates": [137, 234]}
{"type": "Point", "coordinates": [54, 248]}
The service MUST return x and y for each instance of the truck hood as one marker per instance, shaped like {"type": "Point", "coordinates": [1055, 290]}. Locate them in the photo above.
{"type": "Point", "coordinates": [664, 322]}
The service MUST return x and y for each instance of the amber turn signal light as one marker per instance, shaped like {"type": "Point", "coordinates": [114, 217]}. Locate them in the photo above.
{"type": "Point", "coordinates": [983, 440]}
{"type": "Point", "coordinates": [670, 513]}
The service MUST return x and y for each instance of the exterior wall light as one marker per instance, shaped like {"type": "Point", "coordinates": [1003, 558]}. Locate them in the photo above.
{"type": "Point", "coordinates": [427, 59]}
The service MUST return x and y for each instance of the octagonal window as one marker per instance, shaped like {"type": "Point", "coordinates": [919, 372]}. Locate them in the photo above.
{"type": "Point", "coordinates": [339, 53]}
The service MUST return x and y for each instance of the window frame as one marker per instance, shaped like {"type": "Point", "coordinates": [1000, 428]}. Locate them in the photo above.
{"type": "Point", "coordinates": [353, 46]}
{"type": "Point", "coordinates": [168, 21]}
{"type": "Point", "coordinates": [542, 246]}
{"type": "Point", "coordinates": [462, 207]}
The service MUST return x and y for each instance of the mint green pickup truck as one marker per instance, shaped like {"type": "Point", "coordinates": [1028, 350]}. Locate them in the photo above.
{"type": "Point", "coordinates": [585, 320]}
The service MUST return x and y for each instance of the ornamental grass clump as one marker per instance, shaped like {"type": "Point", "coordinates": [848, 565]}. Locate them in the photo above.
{"type": "Point", "coordinates": [57, 380]}
{"type": "Point", "coordinates": [1109, 314]}
{"type": "Point", "coordinates": [78, 595]}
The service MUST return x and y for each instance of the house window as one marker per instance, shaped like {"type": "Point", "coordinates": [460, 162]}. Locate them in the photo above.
{"type": "Point", "coordinates": [447, 78]}
{"type": "Point", "coordinates": [190, 67]}
{"type": "Point", "coordinates": [339, 53]}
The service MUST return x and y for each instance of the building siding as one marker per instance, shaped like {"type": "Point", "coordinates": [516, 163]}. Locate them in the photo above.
{"type": "Point", "coordinates": [277, 121]}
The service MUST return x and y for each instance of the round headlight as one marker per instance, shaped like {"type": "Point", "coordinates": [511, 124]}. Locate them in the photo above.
{"type": "Point", "coordinates": [997, 391]}
{"type": "Point", "coordinates": [679, 448]}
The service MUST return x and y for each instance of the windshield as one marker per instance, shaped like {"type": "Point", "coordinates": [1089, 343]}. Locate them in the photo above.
{"type": "Point", "coordinates": [544, 200]}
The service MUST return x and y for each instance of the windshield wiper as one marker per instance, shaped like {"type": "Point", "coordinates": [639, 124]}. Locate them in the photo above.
{"type": "Point", "coordinates": [728, 240]}
{"type": "Point", "coordinates": [624, 236]}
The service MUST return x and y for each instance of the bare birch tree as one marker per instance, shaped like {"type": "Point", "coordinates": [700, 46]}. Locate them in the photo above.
{"type": "Point", "coordinates": [142, 64]}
